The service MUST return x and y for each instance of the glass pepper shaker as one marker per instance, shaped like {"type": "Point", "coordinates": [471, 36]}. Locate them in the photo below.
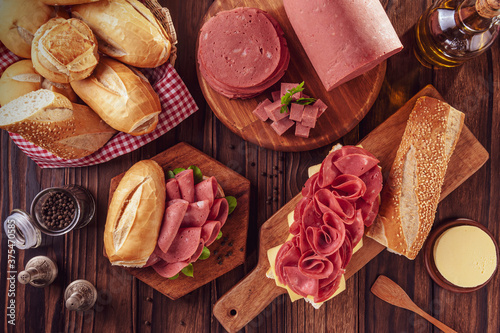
{"type": "Point", "coordinates": [58, 210]}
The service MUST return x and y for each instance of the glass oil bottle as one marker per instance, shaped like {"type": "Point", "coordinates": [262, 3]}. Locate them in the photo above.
{"type": "Point", "coordinates": [451, 32]}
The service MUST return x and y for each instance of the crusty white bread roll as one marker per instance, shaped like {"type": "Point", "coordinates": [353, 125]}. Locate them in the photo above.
{"type": "Point", "coordinates": [19, 20]}
{"type": "Point", "coordinates": [21, 78]}
{"type": "Point", "coordinates": [51, 121]}
{"type": "Point", "coordinates": [64, 50]}
{"type": "Point", "coordinates": [411, 194]}
{"type": "Point", "coordinates": [127, 31]}
{"type": "Point", "coordinates": [135, 215]}
{"type": "Point", "coordinates": [66, 2]}
{"type": "Point", "coordinates": [122, 97]}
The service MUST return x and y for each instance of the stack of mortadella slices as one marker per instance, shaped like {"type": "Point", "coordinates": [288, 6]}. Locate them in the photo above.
{"type": "Point", "coordinates": [338, 202]}
{"type": "Point", "coordinates": [193, 219]}
{"type": "Point", "coordinates": [242, 52]}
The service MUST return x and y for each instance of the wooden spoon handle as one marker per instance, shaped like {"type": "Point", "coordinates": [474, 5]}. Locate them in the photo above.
{"type": "Point", "coordinates": [246, 300]}
{"type": "Point", "coordinates": [433, 320]}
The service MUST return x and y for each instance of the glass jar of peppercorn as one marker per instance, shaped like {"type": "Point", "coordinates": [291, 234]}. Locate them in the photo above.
{"type": "Point", "coordinates": [58, 210]}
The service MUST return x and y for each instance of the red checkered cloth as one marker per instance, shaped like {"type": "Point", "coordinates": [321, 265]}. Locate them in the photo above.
{"type": "Point", "coordinates": [176, 103]}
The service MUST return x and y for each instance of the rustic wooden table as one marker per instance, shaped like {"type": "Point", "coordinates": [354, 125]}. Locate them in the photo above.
{"type": "Point", "coordinates": [126, 304]}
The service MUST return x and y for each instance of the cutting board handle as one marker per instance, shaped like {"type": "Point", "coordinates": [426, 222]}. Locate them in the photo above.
{"type": "Point", "coordinates": [247, 299]}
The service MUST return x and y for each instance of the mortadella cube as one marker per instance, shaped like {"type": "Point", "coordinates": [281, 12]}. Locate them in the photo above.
{"type": "Point", "coordinates": [301, 130]}
{"type": "Point", "coordinates": [274, 111]}
{"type": "Point", "coordinates": [296, 111]}
{"type": "Point", "coordinates": [309, 116]}
{"type": "Point", "coordinates": [260, 112]}
{"type": "Point", "coordinates": [282, 126]}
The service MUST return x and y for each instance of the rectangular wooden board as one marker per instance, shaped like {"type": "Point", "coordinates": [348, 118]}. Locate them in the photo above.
{"type": "Point", "coordinates": [383, 142]}
{"type": "Point", "coordinates": [234, 230]}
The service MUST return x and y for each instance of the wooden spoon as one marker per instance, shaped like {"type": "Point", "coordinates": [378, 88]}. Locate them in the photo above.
{"type": "Point", "coordinates": [392, 293]}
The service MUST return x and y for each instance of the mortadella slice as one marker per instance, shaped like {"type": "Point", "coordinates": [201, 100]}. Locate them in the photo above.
{"type": "Point", "coordinates": [196, 213]}
{"type": "Point", "coordinates": [219, 211]}
{"type": "Point", "coordinates": [206, 190]}
{"type": "Point", "coordinates": [172, 188]}
{"type": "Point", "coordinates": [172, 220]}
{"type": "Point", "coordinates": [209, 232]}
{"type": "Point", "coordinates": [183, 247]}
{"type": "Point", "coordinates": [169, 270]}
{"type": "Point", "coordinates": [342, 38]}
{"type": "Point", "coordinates": [185, 179]}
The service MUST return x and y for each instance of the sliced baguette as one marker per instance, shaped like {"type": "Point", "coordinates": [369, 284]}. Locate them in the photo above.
{"type": "Point", "coordinates": [411, 195]}
{"type": "Point", "coordinates": [51, 121]}
{"type": "Point", "coordinates": [124, 99]}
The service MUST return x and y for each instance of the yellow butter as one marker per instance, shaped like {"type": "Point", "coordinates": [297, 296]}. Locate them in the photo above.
{"type": "Point", "coordinates": [465, 256]}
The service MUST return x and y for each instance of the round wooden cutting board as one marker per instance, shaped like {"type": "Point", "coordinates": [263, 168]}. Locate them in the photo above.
{"type": "Point", "coordinates": [347, 104]}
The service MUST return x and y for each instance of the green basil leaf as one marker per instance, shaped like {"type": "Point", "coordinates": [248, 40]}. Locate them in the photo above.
{"type": "Point", "coordinates": [198, 176]}
{"type": "Point", "coordinates": [305, 101]}
{"type": "Point", "coordinates": [205, 254]}
{"type": "Point", "coordinates": [188, 270]}
{"type": "Point", "coordinates": [232, 203]}
{"type": "Point", "coordinates": [170, 174]}
{"type": "Point", "coordinates": [178, 170]}
{"type": "Point", "coordinates": [219, 236]}
{"type": "Point", "coordinates": [174, 277]}
{"type": "Point", "coordinates": [287, 98]}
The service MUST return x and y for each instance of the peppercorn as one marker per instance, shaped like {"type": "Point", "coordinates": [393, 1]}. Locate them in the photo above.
{"type": "Point", "coordinates": [58, 211]}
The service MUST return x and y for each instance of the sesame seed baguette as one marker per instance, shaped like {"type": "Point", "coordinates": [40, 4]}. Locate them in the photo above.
{"type": "Point", "coordinates": [127, 31]}
{"type": "Point", "coordinates": [21, 78]}
{"type": "Point", "coordinates": [51, 121]}
{"type": "Point", "coordinates": [411, 194]}
{"type": "Point", "coordinates": [122, 97]}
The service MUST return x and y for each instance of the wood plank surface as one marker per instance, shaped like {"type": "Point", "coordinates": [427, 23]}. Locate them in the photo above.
{"type": "Point", "coordinates": [347, 104]}
{"type": "Point", "coordinates": [228, 252]}
{"type": "Point", "coordinates": [248, 298]}
{"type": "Point", "coordinates": [125, 304]}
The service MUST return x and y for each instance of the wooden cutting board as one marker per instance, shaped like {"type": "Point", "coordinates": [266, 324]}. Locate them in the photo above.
{"type": "Point", "coordinates": [230, 248]}
{"type": "Point", "coordinates": [251, 295]}
{"type": "Point", "coordinates": [348, 104]}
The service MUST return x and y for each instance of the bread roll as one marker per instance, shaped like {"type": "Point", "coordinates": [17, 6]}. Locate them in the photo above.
{"type": "Point", "coordinates": [19, 20]}
{"type": "Point", "coordinates": [127, 31]}
{"type": "Point", "coordinates": [64, 50]}
{"type": "Point", "coordinates": [51, 121]}
{"type": "Point", "coordinates": [66, 2]}
{"type": "Point", "coordinates": [122, 97]}
{"type": "Point", "coordinates": [21, 78]}
{"type": "Point", "coordinates": [135, 215]}
{"type": "Point", "coordinates": [411, 195]}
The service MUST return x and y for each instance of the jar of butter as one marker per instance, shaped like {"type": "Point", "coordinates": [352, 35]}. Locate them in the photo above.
{"type": "Point", "coordinates": [461, 255]}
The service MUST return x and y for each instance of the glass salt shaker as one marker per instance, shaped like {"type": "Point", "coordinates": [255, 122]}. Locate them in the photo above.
{"type": "Point", "coordinates": [21, 231]}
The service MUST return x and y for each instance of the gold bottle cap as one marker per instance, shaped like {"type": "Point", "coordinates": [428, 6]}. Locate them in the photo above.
{"type": "Point", "coordinates": [488, 8]}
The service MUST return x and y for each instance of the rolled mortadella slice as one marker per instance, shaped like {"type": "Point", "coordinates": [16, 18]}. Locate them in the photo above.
{"type": "Point", "coordinates": [343, 38]}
